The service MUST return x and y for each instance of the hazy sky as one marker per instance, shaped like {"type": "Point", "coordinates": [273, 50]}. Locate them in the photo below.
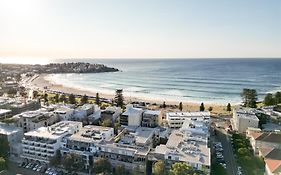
{"type": "Point", "coordinates": [140, 28]}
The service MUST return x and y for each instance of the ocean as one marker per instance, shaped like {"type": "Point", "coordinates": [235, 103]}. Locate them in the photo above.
{"type": "Point", "coordinates": [194, 80]}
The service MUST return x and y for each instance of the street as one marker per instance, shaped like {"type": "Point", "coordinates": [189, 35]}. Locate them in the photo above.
{"type": "Point", "coordinates": [224, 138]}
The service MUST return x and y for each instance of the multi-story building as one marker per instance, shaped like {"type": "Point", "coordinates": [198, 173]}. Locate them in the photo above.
{"type": "Point", "coordinates": [18, 105]}
{"type": "Point", "coordinates": [41, 144]}
{"type": "Point", "coordinates": [111, 113]}
{"type": "Point", "coordinates": [132, 116]}
{"type": "Point", "coordinates": [176, 119]}
{"type": "Point", "coordinates": [14, 136]}
{"type": "Point", "coordinates": [150, 118]}
{"type": "Point", "coordinates": [131, 148]}
{"type": "Point", "coordinates": [84, 143]}
{"type": "Point", "coordinates": [189, 145]}
{"type": "Point", "coordinates": [4, 113]}
{"type": "Point", "coordinates": [244, 118]}
{"type": "Point", "coordinates": [64, 112]}
{"type": "Point", "coordinates": [35, 119]}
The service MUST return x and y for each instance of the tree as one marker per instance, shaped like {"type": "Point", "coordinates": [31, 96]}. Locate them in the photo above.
{"type": "Point", "coordinates": [35, 94]}
{"type": "Point", "coordinates": [269, 100]}
{"type": "Point", "coordinates": [181, 169]}
{"type": "Point", "coordinates": [71, 99]}
{"type": "Point", "coordinates": [106, 123]}
{"type": "Point", "coordinates": [97, 99]}
{"type": "Point", "coordinates": [4, 147]}
{"type": "Point", "coordinates": [119, 99]}
{"type": "Point", "coordinates": [72, 163]}
{"type": "Point", "coordinates": [84, 99]}
{"type": "Point", "coordinates": [45, 97]}
{"type": "Point", "coordinates": [57, 159]}
{"type": "Point", "coordinates": [102, 165]}
{"type": "Point", "coordinates": [63, 98]}
{"type": "Point", "coordinates": [159, 168]}
{"type": "Point", "coordinates": [56, 98]}
{"type": "Point", "coordinates": [210, 108]}
{"type": "Point", "coordinates": [164, 105]}
{"type": "Point", "coordinates": [202, 107]}
{"type": "Point", "coordinates": [120, 170]}
{"type": "Point", "coordinates": [228, 107]}
{"type": "Point", "coordinates": [3, 164]}
{"type": "Point", "coordinates": [278, 97]}
{"type": "Point", "coordinates": [249, 97]}
{"type": "Point", "coordinates": [180, 106]}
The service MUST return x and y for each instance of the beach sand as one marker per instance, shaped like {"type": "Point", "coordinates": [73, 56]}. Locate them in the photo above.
{"type": "Point", "coordinates": [40, 82]}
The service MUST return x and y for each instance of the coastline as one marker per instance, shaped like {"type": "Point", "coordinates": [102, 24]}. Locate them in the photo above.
{"type": "Point", "coordinates": [40, 81]}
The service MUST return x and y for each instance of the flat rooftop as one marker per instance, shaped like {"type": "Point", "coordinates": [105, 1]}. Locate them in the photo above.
{"type": "Point", "coordinates": [185, 148]}
{"type": "Point", "coordinates": [6, 129]}
{"type": "Point", "coordinates": [189, 114]}
{"type": "Point", "coordinates": [246, 113]}
{"type": "Point", "coordinates": [4, 111]}
{"type": "Point", "coordinates": [55, 131]}
{"type": "Point", "coordinates": [90, 133]}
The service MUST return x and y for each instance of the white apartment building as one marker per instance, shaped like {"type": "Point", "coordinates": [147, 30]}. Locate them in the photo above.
{"type": "Point", "coordinates": [32, 120]}
{"type": "Point", "coordinates": [244, 118]}
{"type": "Point", "coordinates": [14, 136]}
{"type": "Point", "coordinates": [176, 119]}
{"type": "Point", "coordinates": [189, 144]}
{"type": "Point", "coordinates": [132, 116]}
{"type": "Point", "coordinates": [84, 143]}
{"type": "Point", "coordinates": [41, 144]}
{"type": "Point", "coordinates": [132, 148]}
{"type": "Point", "coordinates": [64, 112]}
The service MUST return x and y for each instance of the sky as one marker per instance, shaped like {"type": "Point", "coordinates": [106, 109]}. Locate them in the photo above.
{"type": "Point", "coordinates": [33, 29]}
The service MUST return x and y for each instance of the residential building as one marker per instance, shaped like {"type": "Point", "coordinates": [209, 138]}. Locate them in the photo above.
{"type": "Point", "coordinates": [189, 144]}
{"type": "Point", "coordinates": [84, 143]}
{"type": "Point", "coordinates": [18, 105]}
{"type": "Point", "coordinates": [5, 113]}
{"type": "Point", "coordinates": [267, 140]}
{"type": "Point", "coordinates": [111, 113]}
{"type": "Point", "coordinates": [244, 118]}
{"type": "Point", "coordinates": [132, 116]}
{"type": "Point", "coordinates": [14, 136]}
{"type": "Point", "coordinates": [272, 167]}
{"type": "Point", "coordinates": [176, 119]}
{"type": "Point", "coordinates": [41, 144]}
{"type": "Point", "coordinates": [64, 112]}
{"type": "Point", "coordinates": [150, 118]}
{"type": "Point", "coordinates": [35, 119]}
{"type": "Point", "coordinates": [131, 148]}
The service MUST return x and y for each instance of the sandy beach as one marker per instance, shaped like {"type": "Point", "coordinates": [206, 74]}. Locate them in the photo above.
{"type": "Point", "coordinates": [39, 82]}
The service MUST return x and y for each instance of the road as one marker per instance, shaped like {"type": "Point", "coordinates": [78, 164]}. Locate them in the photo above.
{"type": "Point", "coordinates": [228, 154]}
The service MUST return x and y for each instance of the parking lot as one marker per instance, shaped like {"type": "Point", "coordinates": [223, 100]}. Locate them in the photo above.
{"type": "Point", "coordinates": [32, 169]}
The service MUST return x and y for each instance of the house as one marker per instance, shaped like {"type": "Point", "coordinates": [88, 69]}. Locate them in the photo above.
{"type": "Point", "coordinates": [272, 167]}
{"type": "Point", "coordinates": [262, 140]}
{"type": "Point", "coordinates": [41, 144]}
{"type": "Point", "coordinates": [244, 118]}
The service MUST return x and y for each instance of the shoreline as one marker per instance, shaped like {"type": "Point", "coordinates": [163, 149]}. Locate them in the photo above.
{"type": "Point", "coordinates": [39, 82]}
